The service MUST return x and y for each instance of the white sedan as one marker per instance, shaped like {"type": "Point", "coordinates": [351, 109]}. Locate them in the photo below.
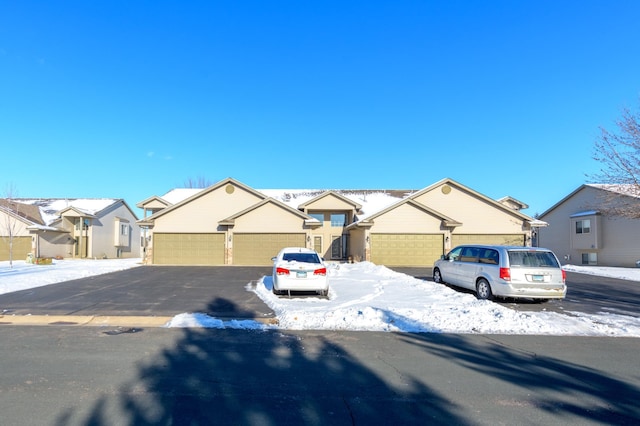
{"type": "Point", "coordinates": [299, 269]}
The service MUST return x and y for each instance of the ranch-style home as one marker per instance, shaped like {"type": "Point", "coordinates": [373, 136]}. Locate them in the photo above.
{"type": "Point", "coordinates": [68, 228]}
{"type": "Point", "coordinates": [230, 223]}
{"type": "Point", "coordinates": [580, 233]}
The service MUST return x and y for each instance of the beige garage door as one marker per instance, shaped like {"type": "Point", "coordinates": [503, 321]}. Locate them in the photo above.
{"type": "Point", "coordinates": [188, 249]}
{"type": "Point", "coordinates": [489, 239]}
{"type": "Point", "coordinates": [406, 249]}
{"type": "Point", "coordinates": [258, 249]}
{"type": "Point", "coordinates": [21, 248]}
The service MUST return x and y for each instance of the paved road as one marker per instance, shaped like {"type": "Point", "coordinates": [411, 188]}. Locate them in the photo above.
{"type": "Point", "coordinates": [222, 292]}
{"type": "Point", "coordinates": [585, 293]}
{"type": "Point", "coordinates": [148, 290]}
{"type": "Point", "coordinates": [90, 376]}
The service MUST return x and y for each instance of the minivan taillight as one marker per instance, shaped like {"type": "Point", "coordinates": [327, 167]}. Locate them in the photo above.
{"type": "Point", "coordinates": [321, 271]}
{"type": "Point", "coordinates": [505, 274]}
{"type": "Point", "coordinates": [282, 271]}
{"type": "Point", "coordinates": [564, 276]}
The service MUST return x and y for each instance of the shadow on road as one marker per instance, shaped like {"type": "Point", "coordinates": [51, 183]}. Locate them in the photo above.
{"type": "Point", "coordinates": [241, 377]}
{"type": "Point", "coordinates": [553, 385]}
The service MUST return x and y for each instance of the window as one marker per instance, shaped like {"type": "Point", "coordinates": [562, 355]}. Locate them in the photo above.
{"type": "Point", "coordinates": [535, 259]}
{"type": "Point", "coordinates": [85, 224]}
{"type": "Point", "coordinates": [124, 229]}
{"type": "Point", "coordinates": [301, 257]}
{"type": "Point", "coordinates": [589, 258]}
{"type": "Point", "coordinates": [583, 226]}
{"type": "Point", "coordinates": [318, 216]}
{"type": "Point", "coordinates": [338, 219]}
{"type": "Point", "coordinates": [317, 243]}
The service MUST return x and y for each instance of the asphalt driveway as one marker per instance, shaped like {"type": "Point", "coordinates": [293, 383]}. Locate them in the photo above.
{"type": "Point", "coordinates": [220, 292]}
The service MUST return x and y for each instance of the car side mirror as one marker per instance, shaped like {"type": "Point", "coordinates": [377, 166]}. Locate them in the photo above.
{"type": "Point", "coordinates": [273, 259]}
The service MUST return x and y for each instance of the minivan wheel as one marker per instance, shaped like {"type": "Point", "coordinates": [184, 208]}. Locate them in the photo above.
{"type": "Point", "coordinates": [483, 289]}
{"type": "Point", "coordinates": [437, 278]}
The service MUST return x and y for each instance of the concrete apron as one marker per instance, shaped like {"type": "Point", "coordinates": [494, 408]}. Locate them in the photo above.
{"type": "Point", "coordinates": [98, 321]}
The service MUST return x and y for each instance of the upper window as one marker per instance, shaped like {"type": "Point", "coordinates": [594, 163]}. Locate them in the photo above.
{"type": "Point", "coordinates": [338, 219]}
{"type": "Point", "coordinates": [85, 224]}
{"type": "Point", "coordinates": [583, 226]}
{"type": "Point", "coordinates": [318, 216]}
{"type": "Point", "coordinates": [124, 229]}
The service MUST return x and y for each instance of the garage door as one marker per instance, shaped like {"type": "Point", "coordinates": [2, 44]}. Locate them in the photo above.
{"type": "Point", "coordinates": [21, 248]}
{"type": "Point", "coordinates": [406, 249]}
{"type": "Point", "coordinates": [258, 249]}
{"type": "Point", "coordinates": [188, 249]}
{"type": "Point", "coordinates": [489, 239]}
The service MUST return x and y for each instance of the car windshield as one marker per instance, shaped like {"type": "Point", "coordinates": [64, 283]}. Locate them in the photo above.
{"type": "Point", "coordinates": [301, 257]}
{"type": "Point", "coordinates": [536, 259]}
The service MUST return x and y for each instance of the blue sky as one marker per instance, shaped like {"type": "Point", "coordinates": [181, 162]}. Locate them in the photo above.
{"type": "Point", "coordinates": [130, 99]}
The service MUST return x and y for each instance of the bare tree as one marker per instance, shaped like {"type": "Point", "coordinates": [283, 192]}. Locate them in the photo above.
{"type": "Point", "coordinates": [199, 182]}
{"type": "Point", "coordinates": [618, 152]}
{"type": "Point", "coordinates": [11, 225]}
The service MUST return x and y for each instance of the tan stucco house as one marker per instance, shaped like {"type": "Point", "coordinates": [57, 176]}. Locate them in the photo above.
{"type": "Point", "coordinates": [230, 223]}
{"type": "Point", "coordinates": [580, 234]}
{"type": "Point", "coordinates": [70, 228]}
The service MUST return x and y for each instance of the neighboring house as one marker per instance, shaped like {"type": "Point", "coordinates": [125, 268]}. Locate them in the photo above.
{"type": "Point", "coordinates": [77, 228]}
{"type": "Point", "coordinates": [230, 223]}
{"type": "Point", "coordinates": [579, 233]}
{"type": "Point", "coordinates": [15, 219]}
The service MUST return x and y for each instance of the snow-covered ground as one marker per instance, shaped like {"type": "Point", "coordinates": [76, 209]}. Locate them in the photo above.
{"type": "Point", "coordinates": [364, 296]}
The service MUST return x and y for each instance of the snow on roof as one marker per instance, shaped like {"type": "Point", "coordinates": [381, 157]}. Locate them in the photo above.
{"type": "Point", "coordinates": [50, 207]}
{"type": "Point", "coordinates": [585, 213]}
{"type": "Point", "coordinates": [179, 194]}
{"type": "Point", "coordinates": [372, 201]}
{"type": "Point", "coordinates": [620, 188]}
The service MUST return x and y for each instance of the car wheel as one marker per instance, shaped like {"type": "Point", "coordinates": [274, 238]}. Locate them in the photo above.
{"type": "Point", "coordinates": [483, 289]}
{"type": "Point", "coordinates": [437, 278]}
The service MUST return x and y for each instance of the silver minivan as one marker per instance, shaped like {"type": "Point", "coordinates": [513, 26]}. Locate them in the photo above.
{"type": "Point", "coordinates": [503, 271]}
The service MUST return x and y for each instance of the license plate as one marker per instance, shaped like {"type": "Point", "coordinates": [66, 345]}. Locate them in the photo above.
{"type": "Point", "coordinates": [537, 278]}
{"type": "Point", "coordinates": [301, 275]}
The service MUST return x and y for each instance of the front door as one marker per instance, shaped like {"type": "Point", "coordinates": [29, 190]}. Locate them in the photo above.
{"type": "Point", "coordinates": [337, 247]}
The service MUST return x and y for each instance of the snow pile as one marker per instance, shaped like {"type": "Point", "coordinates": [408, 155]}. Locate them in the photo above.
{"type": "Point", "coordinates": [365, 296]}
{"type": "Point", "coordinates": [25, 275]}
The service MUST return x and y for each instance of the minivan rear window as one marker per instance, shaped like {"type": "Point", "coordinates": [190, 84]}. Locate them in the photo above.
{"type": "Point", "coordinates": [532, 259]}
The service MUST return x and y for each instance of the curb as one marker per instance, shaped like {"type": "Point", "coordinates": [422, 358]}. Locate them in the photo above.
{"type": "Point", "coordinates": [84, 320]}
{"type": "Point", "coordinates": [98, 321]}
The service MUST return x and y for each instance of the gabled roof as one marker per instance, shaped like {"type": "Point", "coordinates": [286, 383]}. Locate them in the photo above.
{"type": "Point", "coordinates": [76, 212]}
{"type": "Point", "coordinates": [369, 200]}
{"type": "Point", "coordinates": [51, 208]}
{"type": "Point", "coordinates": [625, 190]}
{"type": "Point", "coordinates": [151, 199]}
{"type": "Point", "coordinates": [446, 220]}
{"type": "Point", "coordinates": [27, 212]}
{"type": "Point", "coordinates": [510, 200]}
{"type": "Point", "coordinates": [483, 197]}
{"type": "Point", "coordinates": [197, 193]}
{"type": "Point", "coordinates": [355, 205]}
{"type": "Point", "coordinates": [231, 219]}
